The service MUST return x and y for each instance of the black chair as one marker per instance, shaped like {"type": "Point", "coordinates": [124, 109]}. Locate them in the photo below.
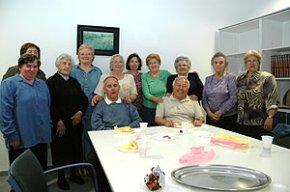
{"type": "Point", "coordinates": [26, 174]}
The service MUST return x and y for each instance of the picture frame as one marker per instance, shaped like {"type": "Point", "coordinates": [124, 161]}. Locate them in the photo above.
{"type": "Point", "coordinates": [104, 40]}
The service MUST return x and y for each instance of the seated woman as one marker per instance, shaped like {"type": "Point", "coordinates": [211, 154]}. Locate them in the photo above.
{"type": "Point", "coordinates": [219, 95]}
{"type": "Point", "coordinates": [182, 65]}
{"type": "Point", "coordinates": [68, 105]}
{"type": "Point", "coordinates": [128, 91]}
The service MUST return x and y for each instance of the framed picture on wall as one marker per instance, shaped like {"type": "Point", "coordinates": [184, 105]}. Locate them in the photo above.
{"type": "Point", "coordinates": [105, 40]}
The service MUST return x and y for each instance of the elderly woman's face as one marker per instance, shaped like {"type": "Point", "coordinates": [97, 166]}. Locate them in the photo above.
{"type": "Point", "coordinates": [153, 65]}
{"type": "Point", "coordinates": [182, 68]}
{"type": "Point", "coordinates": [65, 66]}
{"type": "Point", "coordinates": [29, 70]}
{"type": "Point", "coordinates": [86, 56]}
{"type": "Point", "coordinates": [118, 64]}
{"type": "Point", "coordinates": [219, 64]}
{"type": "Point", "coordinates": [252, 64]}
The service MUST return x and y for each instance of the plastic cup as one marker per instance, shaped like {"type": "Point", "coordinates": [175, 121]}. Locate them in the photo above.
{"type": "Point", "coordinates": [184, 127]}
{"type": "Point", "coordinates": [267, 144]}
{"type": "Point", "coordinates": [143, 127]}
{"type": "Point", "coordinates": [142, 148]}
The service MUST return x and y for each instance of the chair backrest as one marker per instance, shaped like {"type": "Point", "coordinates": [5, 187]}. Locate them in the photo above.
{"type": "Point", "coordinates": [26, 174]}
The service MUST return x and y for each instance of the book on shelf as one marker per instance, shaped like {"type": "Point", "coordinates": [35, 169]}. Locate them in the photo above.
{"type": "Point", "coordinates": [280, 65]}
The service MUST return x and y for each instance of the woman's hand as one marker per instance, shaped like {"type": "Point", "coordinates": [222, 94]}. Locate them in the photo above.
{"type": "Point", "coordinates": [268, 124]}
{"type": "Point", "coordinates": [76, 118]}
{"type": "Point", "coordinates": [96, 99]}
{"type": "Point", "coordinates": [15, 144]}
{"type": "Point", "coordinates": [60, 128]}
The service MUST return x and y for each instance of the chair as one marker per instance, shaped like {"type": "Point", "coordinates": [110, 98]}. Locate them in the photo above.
{"type": "Point", "coordinates": [26, 174]}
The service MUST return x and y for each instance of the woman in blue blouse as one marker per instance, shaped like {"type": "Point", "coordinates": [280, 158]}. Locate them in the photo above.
{"type": "Point", "coordinates": [219, 95]}
{"type": "Point", "coordinates": [25, 111]}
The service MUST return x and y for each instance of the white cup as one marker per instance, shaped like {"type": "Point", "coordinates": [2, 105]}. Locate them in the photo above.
{"type": "Point", "coordinates": [143, 127]}
{"type": "Point", "coordinates": [184, 127]}
{"type": "Point", "coordinates": [142, 148]}
{"type": "Point", "coordinates": [267, 144]}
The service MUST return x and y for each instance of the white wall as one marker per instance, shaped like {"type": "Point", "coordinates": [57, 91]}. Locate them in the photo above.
{"type": "Point", "coordinates": [170, 28]}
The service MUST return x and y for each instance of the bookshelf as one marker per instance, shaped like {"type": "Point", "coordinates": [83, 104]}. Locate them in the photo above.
{"type": "Point", "coordinates": [269, 34]}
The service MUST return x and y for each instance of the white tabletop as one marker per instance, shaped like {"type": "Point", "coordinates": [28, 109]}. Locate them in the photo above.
{"type": "Point", "coordinates": [126, 171]}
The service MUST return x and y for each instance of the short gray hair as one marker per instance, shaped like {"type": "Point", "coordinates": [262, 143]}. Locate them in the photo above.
{"type": "Point", "coordinates": [82, 46]}
{"type": "Point", "coordinates": [181, 77]}
{"type": "Point", "coordinates": [113, 58]}
{"type": "Point", "coordinates": [182, 58]}
{"type": "Point", "coordinates": [61, 57]}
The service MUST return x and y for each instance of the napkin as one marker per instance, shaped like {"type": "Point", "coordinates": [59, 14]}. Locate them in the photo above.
{"type": "Point", "coordinates": [197, 155]}
{"type": "Point", "coordinates": [229, 140]}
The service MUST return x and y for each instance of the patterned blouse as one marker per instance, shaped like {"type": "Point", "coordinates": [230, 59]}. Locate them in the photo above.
{"type": "Point", "coordinates": [138, 102]}
{"type": "Point", "coordinates": [255, 97]}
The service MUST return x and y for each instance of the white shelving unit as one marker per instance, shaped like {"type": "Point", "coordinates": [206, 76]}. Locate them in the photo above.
{"type": "Point", "coordinates": [269, 34]}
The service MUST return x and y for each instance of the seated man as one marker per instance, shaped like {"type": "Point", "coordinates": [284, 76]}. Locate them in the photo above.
{"type": "Point", "coordinates": [179, 107]}
{"type": "Point", "coordinates": [112, 111]}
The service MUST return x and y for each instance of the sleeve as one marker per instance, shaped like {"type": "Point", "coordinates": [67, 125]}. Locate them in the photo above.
{"type": "Point", "coordinates": [199, 87]}
{"type": "Point", "coordinates": [204, 95]}
{"type": "Point", "coordinates": [271, 93]}
{"type": "Point", "coordinates": [169, 83]}
{"type": "Point", "coordinates": [11, 71]}
{"type": "Point", "coordinates": [84, 99]}
{"type": "Point", "coordinates": [197, 110]}
{"type": "Point", "coordinates": [97, 118]}
{"type": "Point", "coordinates": [231, 102]}
{"type": "Point", "coordinates": [55, 116]}
{"type": "Point", "coordinates": [133, 85]}
{"type": "Point", "coordinates": [99, 89]}
{"type": "Point", "coordinates": [8, 127]}
{"type": "Point", "coordinates": [145, 87]}
{"type": "Point", "coordinates": [135, 118]}
{"type": "Point", "coordinates": [160, 109]}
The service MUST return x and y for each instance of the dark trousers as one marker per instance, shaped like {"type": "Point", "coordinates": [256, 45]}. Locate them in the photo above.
{"type": "Point", "coordinates": [252, 131]}
{"type": "Point", "coordinates": [228, 123]}
{"type": "Point", "coordinates": [148, 115]}
{"type": "Point", "coordinates": [39, 150]}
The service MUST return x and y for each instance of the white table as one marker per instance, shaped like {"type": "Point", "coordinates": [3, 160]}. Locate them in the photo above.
{"type": "Point", "coordinates": [126, 171]}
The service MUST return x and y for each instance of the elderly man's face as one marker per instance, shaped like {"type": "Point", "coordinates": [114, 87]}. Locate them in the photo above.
{"type": "Point", "coordinates": [180, 88]}
{"type": "Point", "coordinates": [111, 89]}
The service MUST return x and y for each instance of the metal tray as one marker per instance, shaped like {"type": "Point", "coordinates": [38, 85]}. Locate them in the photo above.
{"type": "Point", "coordinates": [221, 178]}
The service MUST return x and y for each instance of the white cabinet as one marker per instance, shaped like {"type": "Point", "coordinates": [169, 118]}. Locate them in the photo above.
{"type": "Point", "coordinates": [270, 35]}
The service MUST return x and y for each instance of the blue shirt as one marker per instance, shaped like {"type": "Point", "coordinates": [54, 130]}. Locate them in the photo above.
{"type": "Point", "coordinates": [88, 82]}
{"type": "Point", "coordinates": [106, 116]}
{"type": "Point", "coordinates": [25, 111]}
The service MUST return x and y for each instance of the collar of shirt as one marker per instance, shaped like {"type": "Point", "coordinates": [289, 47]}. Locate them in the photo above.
{"type": "Point", "coordinates": [63, 76]}
{"type": "Point", "coordinates": [181, 101]}
{"type": "Point", "coordinates": [108, 101]}
{"type": "Point", "coordinates": [182, 75]}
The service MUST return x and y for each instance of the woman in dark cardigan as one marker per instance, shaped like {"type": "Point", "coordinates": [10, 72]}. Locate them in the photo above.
{"type": "Point", "coordinates": [182, 65]}
{"type": "Point", "coordinates": [68, 105]}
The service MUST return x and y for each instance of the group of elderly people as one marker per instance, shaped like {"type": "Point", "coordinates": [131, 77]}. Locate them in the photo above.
{"type": "Point", "coordinates": [79, 98]}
